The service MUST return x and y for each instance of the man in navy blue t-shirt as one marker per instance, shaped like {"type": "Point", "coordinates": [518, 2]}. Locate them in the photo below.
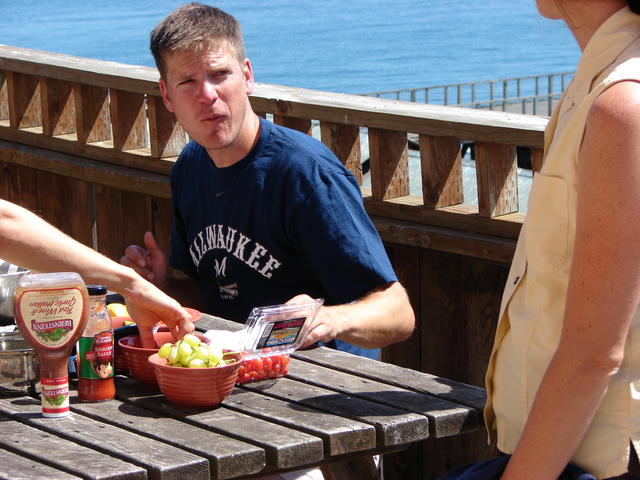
{"type": "Point", "coordinates": [262, 214]}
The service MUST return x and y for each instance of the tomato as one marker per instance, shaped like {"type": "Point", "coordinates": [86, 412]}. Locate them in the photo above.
{"type": "Point", "coordinates": [271, 366]}
{"type": "Point", "coordinates": [266, 363]}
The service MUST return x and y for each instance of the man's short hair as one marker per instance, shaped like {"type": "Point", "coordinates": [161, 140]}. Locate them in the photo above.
{"type": "Point", "coordinates": [195, 27]}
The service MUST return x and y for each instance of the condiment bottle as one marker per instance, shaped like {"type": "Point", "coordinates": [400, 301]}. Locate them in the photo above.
{"type": "Point", "coordinates": [50, 310]}
{"type": "Point", "coordinates": [95, 351]}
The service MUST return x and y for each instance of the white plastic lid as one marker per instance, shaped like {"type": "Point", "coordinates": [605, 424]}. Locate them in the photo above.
{"type": "Point", "coordinates": [50, 280]}
{"type": "Point", "coordinates": [279, 329]}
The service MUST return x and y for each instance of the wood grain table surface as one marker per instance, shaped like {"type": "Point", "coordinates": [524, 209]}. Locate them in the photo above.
{"type": "Point", "coordinates": [333, 410]}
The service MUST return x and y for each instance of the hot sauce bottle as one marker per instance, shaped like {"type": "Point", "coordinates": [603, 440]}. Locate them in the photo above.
{"type": "Point", "coordinates": [95, 351]}
{"type": "Point", "coordinates": [51, 312]}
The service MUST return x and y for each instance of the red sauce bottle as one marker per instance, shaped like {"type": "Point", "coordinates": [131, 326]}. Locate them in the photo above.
{"type": "Point", "coordinates": [51, 312]}
{"type": "Point", "coordinates": [96, 351]}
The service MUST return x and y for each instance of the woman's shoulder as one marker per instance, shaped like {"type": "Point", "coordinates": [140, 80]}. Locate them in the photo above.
{"type": "Point", "coordinates": [618, 105]}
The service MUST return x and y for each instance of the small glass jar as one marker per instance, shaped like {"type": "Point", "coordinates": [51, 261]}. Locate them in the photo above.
{"type": "Point", "coordinates": [96, 351]}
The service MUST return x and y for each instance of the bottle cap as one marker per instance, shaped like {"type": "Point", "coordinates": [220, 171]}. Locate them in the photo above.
{"type": "Point", "coordinates": [97, 289]}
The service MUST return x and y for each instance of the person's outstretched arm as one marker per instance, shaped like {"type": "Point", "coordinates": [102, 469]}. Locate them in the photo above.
{"type": "Point", "coordinates": [29, 241]}
{"type": "Point", "coordinates": [381, 317]}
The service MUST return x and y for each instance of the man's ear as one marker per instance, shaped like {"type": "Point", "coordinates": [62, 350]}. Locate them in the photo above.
{"type": "Point", "coordinates": [247, 71]}
{"type": "Point", "coordinates": [165, 95]}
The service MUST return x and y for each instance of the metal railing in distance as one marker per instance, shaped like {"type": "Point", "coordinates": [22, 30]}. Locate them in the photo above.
{"type": "Point", "coordinates": [535, 94]}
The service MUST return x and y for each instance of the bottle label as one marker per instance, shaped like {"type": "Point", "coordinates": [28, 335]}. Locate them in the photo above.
{"type": "Point", "coordinates": [96, 356]}
{"type": "Point", "coordinates": [54, 393]}
{"type": "Point", "coordinates": [51, 316]}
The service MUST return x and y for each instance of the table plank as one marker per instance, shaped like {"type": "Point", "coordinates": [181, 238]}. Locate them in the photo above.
{"type": "Point", "coordinates": [62, 454]}
{"type": "Point", "coordinates": [16, 467]}
{"type": "Point", "coordinates": [444, 388]}
{"type": "Point", "coordinates": [393, 426]}
{"type": "Point", "coordinates": [340, 435]}
{"type": "Point", "coordinates": [228, 458]}
{"type": "Point", "coordinates": [285, 448]}
{"type": "Point", "coordinates": [211, 322]}
{"type": "Point", "coordinates": [458, 392]}
{"type": "Point", "coordinates": [161, 461]}
{"type": "Point", "coordinates": [445, 418]}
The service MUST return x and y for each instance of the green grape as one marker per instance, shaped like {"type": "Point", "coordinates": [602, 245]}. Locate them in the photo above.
{"type": "Point", "coordinates": [214, 361]}
{"type": "Point", "coordinates": [165, 350]}
{"type": "Point", "coordinates": [197, 363]}
{"type": "Point", "coordinates": [214, 355]}
{"type": "Point", "coordinates": [202, 352]}
{"type": "Point", "coordinates": [215, 350]}
{"type": "Point", "coordinates": [192, 340]}
{"type": "Point", "coordinates": [184, 352]}
{"type": "Point", "coordinates": [173, 355]}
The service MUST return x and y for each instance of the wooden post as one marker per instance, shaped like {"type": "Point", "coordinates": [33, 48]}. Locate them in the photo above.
{"type": "Point", "coordinates": [128, 120]}
{"type": "Point", "coordinates": [58, 112]}
{"type": "Point", "coordinates": [344, 141]}
{"type": "Point", "coordinates": [441, 168]}
{"type": "Point", "coordinates": [167, 138]}
{"type": "Point", "coordinates": [497, 177]}
{"type": "Point", "coordinates": [24, 100]}
{"type": "Point", "coordinates": [4, 100]}
{"type": "Point", "coordinates": [388, 154]}
{"type": "Point", "coordinates": [92, 115]}
{"type": "Point", "coordinates": [301, 124]}
{"type": "Point", "coordinates": [537, 158]}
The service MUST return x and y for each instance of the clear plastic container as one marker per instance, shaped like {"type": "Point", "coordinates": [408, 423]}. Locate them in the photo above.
{"type": "Point", "coordinates": [270, 335]}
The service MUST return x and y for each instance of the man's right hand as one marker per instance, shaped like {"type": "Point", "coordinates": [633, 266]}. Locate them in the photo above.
{"type": "Point", "coordinates": [150, 262]}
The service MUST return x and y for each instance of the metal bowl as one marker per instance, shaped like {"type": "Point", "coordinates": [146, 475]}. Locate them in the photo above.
{"type": "Point", "coordinates": [19, 371]}
{"type": "Point", "coordinates": [8, 282]}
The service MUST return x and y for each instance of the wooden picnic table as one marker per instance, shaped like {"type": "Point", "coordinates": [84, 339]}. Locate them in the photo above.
{"type": "Point", "coordinates": [333, 410]}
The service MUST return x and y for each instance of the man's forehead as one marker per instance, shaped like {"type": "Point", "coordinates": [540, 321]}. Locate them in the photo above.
{"type": "Point", "coordinates": [214, 55]}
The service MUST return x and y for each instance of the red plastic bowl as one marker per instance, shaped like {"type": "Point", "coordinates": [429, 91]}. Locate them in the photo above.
{"type": "Point", "coordinates": [195, 387]}
{"type": "Point", "coordinates": [137, 358]}
{"type": "Point", "coordinates": [118, 322]}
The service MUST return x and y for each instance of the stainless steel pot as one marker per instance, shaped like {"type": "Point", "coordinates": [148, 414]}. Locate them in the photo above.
{"type": "Point", "coordinates": [8, 282]}
{"type": "Point", "coordinates": [19, 371]}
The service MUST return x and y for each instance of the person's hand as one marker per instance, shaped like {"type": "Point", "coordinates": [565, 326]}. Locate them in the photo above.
{"type": "Point", "coordinates": [149, 262]}
{"type": "Point", "coordinates": [324, 326]}
{"type": "Point", "coordinates": [149, 305]}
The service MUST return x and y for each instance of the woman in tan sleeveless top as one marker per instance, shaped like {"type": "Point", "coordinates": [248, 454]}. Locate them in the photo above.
{"type": "Point", "coordinates": [563, 381]}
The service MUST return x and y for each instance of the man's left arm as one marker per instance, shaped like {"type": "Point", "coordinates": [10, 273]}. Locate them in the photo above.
{"type": "Point", "coordinates": [381, 317]}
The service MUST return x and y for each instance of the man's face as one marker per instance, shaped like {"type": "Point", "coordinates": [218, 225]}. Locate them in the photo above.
{"type": "Point", "coordinates": [208, 92]}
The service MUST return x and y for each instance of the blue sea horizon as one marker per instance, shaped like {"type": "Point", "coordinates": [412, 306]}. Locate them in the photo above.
{"type": "Point", "coordinates": [359, 46]}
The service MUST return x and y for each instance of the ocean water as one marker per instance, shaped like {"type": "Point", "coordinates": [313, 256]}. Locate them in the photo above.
{"type": "Point", "coordinates": [351, 46]}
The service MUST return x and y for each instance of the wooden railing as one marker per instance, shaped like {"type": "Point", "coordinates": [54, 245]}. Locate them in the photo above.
{"type": "Point", "coordinates": [89, 146]}
{"type": "Point", "coordinates": [113, 113]}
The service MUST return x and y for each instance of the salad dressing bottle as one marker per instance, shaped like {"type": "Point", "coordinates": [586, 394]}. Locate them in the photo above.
{"type": "Point", "coordinates": [50, 310]}
{"type": "Point", "coordinates": [95, 351]}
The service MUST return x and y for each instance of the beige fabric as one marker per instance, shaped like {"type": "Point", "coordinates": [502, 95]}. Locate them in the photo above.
{"type": "Point", "coordinates": [533, 303]}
